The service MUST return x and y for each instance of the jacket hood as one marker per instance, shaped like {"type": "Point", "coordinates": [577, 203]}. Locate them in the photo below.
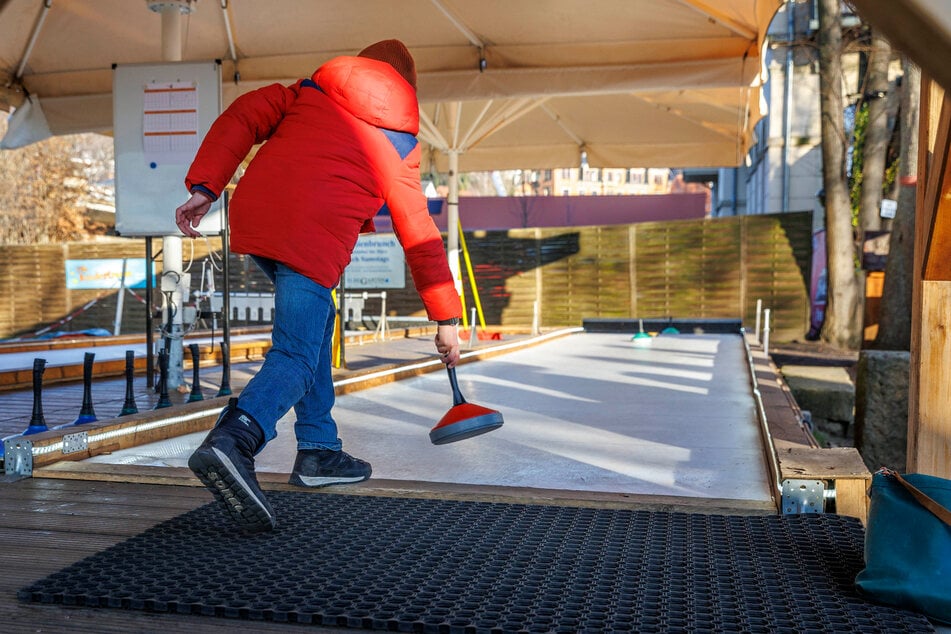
{"type": "Point", "coordinates": [372, 91]}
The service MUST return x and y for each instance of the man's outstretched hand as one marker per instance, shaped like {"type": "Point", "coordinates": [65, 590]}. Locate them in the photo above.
{"type": "Point", "coordinates": [190, 214]}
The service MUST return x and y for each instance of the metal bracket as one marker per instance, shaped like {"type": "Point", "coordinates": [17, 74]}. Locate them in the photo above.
{"type": "Point", "coordinates": [17, 456]}
{"type": "Point", "coordinates": [803, 496]}
{"type": "Point", "coordinates": [75, 442]}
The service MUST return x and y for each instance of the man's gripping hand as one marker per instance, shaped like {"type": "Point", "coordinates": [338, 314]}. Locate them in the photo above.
{"type": "Point", "coordinates": [447, 345]}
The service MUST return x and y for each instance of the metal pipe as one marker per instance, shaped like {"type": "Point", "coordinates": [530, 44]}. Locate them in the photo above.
{"type": "Point", "coordinates": [225, 388]}
{"type": "Point", "coordinates": [787, 97]}
{"type": "Point", "coordinates": [452, 220]}
{"type": "Point", "coordinates": [736, 187]}
{"type": "Point", "coordinates": [228, 31]}
{"type": "Point", "coordinates": [171, 34]}
{"type": "Point", "coordinates": [149, 336]}
{"type": "Point", "coordinates": [120, 299]}
{"type": "Point", "coordinates": [462, 28]}
{"type": "Point", "coordinates": [172, 244]}
{"type": "Point", "coordinates": [759, 308]}
{"type": "Point", "coordinates": [40, 19]}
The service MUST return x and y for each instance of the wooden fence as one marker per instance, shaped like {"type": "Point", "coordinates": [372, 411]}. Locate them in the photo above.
{"type": "Point", "coordinates": [715, 268]}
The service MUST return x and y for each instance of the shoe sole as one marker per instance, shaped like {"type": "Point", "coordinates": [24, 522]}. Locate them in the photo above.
{"type": "Point", "coordinates": [313, 482]}
{"type": "Point", "coordinates": [231, 490]}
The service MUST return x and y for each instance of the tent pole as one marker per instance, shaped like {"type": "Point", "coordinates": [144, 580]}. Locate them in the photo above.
{"type": "Point", "coordinates": [40, 19]}
{"type": "Point", "coordinates": [452, 220]}
{"type": "Point", "coordinates": [173, 286]}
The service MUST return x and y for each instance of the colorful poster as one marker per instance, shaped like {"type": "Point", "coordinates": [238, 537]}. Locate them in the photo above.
{"type": "Point", "coordinates": [104, 274]}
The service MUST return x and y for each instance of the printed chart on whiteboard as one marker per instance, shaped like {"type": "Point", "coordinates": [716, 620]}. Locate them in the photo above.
{"type": "Point", "coordinates": [170, 122]}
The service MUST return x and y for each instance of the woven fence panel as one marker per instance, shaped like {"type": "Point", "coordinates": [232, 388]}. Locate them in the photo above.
{"type": "Point", "coordinates": [714, 268]}
{"type": "Point", "coordinates": [515, 302]}
{"type": "Point", "coordinates": [33, 279]}
{"type": "Point", "coordinates": [586, 272]}
{"type": "Point", "coordinates": [777, 264]}
{"type": "Point", "coordinates": [30, 287]}
{"type": "Point", "coordinates": [687, 269]}
{"type": "Point", "coordinates": [8, 287]}
{"type": "Point", "coordinates": [719, 280]}
{"type": "Point", "coordinates": [666, 267]}
{"type": "Point", "coordinates": [503, 267]}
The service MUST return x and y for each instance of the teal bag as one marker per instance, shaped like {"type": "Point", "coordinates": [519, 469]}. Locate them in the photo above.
{"type": "Point", "coordinates": [908, 544]}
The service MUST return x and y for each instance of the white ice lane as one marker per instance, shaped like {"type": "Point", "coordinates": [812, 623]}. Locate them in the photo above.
{"type": "Point", "coordinates": [587, 412]}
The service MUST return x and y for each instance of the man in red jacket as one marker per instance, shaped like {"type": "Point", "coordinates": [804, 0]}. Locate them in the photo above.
{"type": "Point", "coordinates": [338, 147]}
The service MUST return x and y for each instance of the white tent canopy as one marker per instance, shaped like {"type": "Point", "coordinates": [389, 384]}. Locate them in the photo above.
{"type": "Point", "coordinates": [503, 83]}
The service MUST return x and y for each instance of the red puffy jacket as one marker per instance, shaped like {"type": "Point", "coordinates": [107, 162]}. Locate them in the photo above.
{"type": "Point", "coordinates": [340, 146]}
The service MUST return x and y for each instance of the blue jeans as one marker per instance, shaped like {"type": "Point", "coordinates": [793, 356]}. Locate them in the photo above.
{"type": "Point", "coordinates": [297, 369]}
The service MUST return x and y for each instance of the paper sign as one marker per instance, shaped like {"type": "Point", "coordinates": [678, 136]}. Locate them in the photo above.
{"type": "Point", "coordinates": [377, 262]}
{"type": "Point", "coordinates": [170, 122]}
{"type": "Point", "coordinates": [889, 207]}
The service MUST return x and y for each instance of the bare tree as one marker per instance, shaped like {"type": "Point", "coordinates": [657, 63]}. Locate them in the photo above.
{"type": "Point", "coordinates": [843, 327]}
{"type": "Point", "coordinates": [877, 133]}
{"type": "Point", "coordinates": [47, 182]}
{"type": "Point", "coordinates": [894, 326]}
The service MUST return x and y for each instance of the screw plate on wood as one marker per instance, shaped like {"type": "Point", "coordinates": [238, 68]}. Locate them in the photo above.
{"type": "Point", "coordinates": [803, 496]}
{"type": "Point", "coordinates": [75, 442]}
{"type": "Point", "coordinates": [18, 456]}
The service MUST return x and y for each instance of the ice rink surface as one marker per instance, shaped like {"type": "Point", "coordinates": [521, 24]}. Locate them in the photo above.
{"type": "Point", "coordinates": [585, 412]}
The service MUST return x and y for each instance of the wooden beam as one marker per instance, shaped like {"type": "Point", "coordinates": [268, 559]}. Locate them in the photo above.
{"type": "Point", "coordinates": [912, 30]}
{"type": "Point", "coordinates": [715, 15]}
{"type": "Point", "coordinates": [937, 203]}
{"type": "Point", "coordinates": [929, 434]}
{"type": "Point", "coordinates": [929, 403]}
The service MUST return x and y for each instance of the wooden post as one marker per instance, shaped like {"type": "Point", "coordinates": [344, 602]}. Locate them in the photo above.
{"type": "Point", "coordinates": [929, 411]}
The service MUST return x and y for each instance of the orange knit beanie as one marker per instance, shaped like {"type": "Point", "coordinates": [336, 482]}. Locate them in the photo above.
{"type": "Point", "coordinates": [394, 53]}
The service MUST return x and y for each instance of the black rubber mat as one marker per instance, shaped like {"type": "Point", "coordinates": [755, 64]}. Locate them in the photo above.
{"type": "Point", "coordinates": [410, 565]}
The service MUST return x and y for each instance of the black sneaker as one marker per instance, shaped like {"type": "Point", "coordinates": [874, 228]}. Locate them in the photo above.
{"type": "Point", "coordinates": [224, 463]}
{"type": "Point", "coordinates": [321, 467]}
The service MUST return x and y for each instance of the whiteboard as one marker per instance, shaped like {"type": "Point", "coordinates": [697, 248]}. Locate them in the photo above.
{"type": "Point", "coordinates": [161, 113]}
